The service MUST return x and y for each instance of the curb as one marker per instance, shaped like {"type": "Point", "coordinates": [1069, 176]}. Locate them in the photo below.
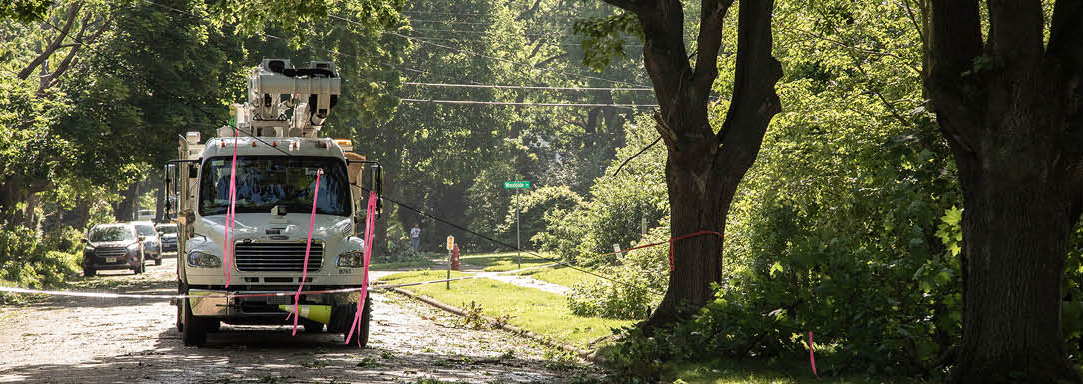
{"type": "Point", "coordinates": [582, 353]}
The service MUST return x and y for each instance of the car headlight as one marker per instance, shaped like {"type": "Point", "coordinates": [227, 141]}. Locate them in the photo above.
{"type": "Point", "coordinates": [351, 259]}
{"type": "Point", "coordinates": [203, 260]}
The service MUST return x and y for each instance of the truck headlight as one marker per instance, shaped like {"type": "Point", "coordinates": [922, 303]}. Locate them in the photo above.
{"type": "Point", "coordinates": [203, 260]}
{"type": "Point", "coordinates": [351, 259]}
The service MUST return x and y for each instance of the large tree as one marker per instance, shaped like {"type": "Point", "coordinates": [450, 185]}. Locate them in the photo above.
{"type": "Point", "coordinates": [703, 167]}
{"type": "Point", "coordinates": [1010, 108]}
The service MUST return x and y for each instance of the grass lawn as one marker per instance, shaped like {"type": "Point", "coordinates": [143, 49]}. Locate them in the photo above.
{"type": "Point", "coordinates": [500, 262]}
{"type": "Point", "coordinates": [541, 312]}
{"type": "Point", "coordinates": [560, 275]}
{"type": "Point", "coordinates": [402, 265]}
{"type": "Point", "coordinates": [758, 371]}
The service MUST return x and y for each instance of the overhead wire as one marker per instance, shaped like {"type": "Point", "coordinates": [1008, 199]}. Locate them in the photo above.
{"type": "Point", "coordinates": [524, 104]}
{"type": "Point", "coordinates": [585, 89]}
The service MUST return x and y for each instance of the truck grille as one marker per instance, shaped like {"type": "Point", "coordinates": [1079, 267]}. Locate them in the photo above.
{"type": "Point", "coordinates": [277, 257]}
{"type": "Point", "coordinates": [110, 251]}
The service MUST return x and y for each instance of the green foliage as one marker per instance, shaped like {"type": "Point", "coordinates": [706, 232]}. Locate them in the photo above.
{"type": "Point", "coordinates": [24, 10]}
{"type": "Point", "coordinates": [639, 275]}
{"type": "Point", "coordinates": [603, 37]}
{"type": "Point", "coordinates": [532, 209]}
{"type": "Point", "coordinates": [31, 263]}
{"type": "Point", "coordinates": [616, 204]}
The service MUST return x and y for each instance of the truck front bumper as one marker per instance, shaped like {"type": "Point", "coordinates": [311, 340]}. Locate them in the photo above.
{"type": "Point", "coordinates": [235, 305]}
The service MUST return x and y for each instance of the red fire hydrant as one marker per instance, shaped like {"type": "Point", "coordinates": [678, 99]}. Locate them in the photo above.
{"type": "Point", "coordinates": [455, 257]}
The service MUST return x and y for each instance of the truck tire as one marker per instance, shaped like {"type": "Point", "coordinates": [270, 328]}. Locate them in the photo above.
{"type": "Point", "coordinates": [194, 332]}
{"type": "Point", "coordinates": [158, 261]}
{"type": "Point", "coordinates": [89, 272]}
{"type": "Point", "coordinates": [360, 335]}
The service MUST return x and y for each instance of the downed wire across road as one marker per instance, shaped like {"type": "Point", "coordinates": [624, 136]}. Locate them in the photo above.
{"type": "Point", "coordinates": [284, 293]}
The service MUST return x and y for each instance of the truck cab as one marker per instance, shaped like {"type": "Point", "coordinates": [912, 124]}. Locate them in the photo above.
{"type": "Point", "coordinates": [274, 177]}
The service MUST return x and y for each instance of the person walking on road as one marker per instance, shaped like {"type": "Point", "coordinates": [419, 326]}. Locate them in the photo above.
{"type": "Point", "coordinates": [415, 237]}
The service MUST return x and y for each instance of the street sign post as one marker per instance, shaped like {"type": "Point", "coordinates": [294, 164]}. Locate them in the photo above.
{"type": "Point", "coordinates": [517, 185]}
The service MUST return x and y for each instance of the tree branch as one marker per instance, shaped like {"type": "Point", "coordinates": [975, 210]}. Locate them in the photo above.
{"type": "Point", "coordinates": [1015, 29]}
{"type": "Point", "coordinates": [708, 43]}
{"type": "Point", "coordinates": [754, 99]}
{"type": "Point", "coordinates": [53, 45]}
{"type": "Point", "coordinates": [622, 164]}
{"type": "Point", "coordinates": [1066, 35]}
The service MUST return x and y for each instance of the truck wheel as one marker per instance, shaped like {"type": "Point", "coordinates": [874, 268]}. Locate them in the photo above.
{"type": "Point", "coordinates": [361, 334]}
{"type": "Point", "coordinates": [89, 272]}
{"type": "Point", "coordinates": [180, 315]}
{"type": "Point", "coordinates": [195, 328]}
{"type": "Point", "coordinates": [158, 261]}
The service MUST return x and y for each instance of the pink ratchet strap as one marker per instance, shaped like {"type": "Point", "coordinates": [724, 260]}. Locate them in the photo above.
{"type": "Point", "coordinates": [369, 225]}
{"type": "Point", "coordinates": [231, 214]}
{"type": "Point", "coordinates": [308, 247]}
{"type": "Point", "coordinates": [811, 356]}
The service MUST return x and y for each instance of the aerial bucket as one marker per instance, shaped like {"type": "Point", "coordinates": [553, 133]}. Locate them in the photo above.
{"type": "Point", "coordinates": [317, 313]}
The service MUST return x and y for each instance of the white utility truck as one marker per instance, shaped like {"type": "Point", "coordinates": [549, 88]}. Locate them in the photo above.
{"type": "Point", "coordinates": [278, 156]}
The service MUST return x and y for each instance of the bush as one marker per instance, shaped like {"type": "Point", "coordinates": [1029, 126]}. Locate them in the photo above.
{"type": "Point", "coordinates": [28, 262]}
{"type": "Point", "coordinates": [533, 207]}
{"type": "Point", "coordinates": [644, 272]}
{"type": "Point", "coordinates": [399, 250]}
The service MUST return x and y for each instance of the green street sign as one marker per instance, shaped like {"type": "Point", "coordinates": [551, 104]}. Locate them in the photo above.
{"type": "Point", "coordinates": [516, 184]}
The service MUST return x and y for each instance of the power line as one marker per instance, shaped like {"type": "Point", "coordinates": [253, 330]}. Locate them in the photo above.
{"type": "Point", "coordinates": [451, 22]}
{"type": "Point", "coordinates": [527, 87]}
{"type": "Point", "coordinates": [590, 105]}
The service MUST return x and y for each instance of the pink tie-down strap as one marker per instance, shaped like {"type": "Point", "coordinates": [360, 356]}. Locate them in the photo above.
{"type": "Point", "coordinates": [369, 225]}
{"type": "Point", "coordinates": [308, 247]}
{"type": "Point", "coordinates": [231, 213]}
{"type": "Point", "coordinates": [811, 355]}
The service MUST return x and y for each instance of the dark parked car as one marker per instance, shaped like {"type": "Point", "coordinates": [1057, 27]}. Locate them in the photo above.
{"type": "Point", "coordinates": [152, 245]}
{"type": "Point", "coordinates": [113, 246]}
{"type": "Point", "coordinates": [168, 234]}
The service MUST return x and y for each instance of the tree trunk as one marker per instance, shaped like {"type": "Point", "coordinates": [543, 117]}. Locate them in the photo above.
{"type": "Point", "coordinates": [127, 208]}
{"type": "Point", "coordinates": [1016, 238]}
{"type": "Point", "coordinates": [703, 167]}
{"type": "Point", "coordinates": [1011, 110]}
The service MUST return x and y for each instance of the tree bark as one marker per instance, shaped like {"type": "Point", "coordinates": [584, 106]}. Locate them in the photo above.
{"type": "Point", "coordinates": [703, 167]}
{"type": "Point", "coordinates": [1011, 112]}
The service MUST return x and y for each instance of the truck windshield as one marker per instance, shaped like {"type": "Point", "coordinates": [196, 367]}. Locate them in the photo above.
{"type": "Point", "coordinates": [111, 233]}
{"type": "Point", "coordinates": [266, 181]}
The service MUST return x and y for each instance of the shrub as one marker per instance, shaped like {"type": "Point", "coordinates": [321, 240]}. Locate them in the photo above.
{"type": "Point", "coordinates": [643, 272]}
{"type": "Point", "coordinates": [28, 262]}
{"type": "Point", "coordinates": [533, 207]}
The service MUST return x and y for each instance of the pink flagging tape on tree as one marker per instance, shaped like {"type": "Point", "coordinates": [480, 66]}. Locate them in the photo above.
{"type": "Point", "coordinates": [308, 248]}
{"type": "Point", "coordinates": [811, 355]}
{"type": "Point", "coordinates": [231, 212]}
{"type": "Point", "coordinates": [369, 226]}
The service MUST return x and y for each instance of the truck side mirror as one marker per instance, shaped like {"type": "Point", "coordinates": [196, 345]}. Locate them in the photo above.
{"type": "Point", "coordinates": [83, 240]}
{"type": "Point", "coordinates": [193, 171]}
